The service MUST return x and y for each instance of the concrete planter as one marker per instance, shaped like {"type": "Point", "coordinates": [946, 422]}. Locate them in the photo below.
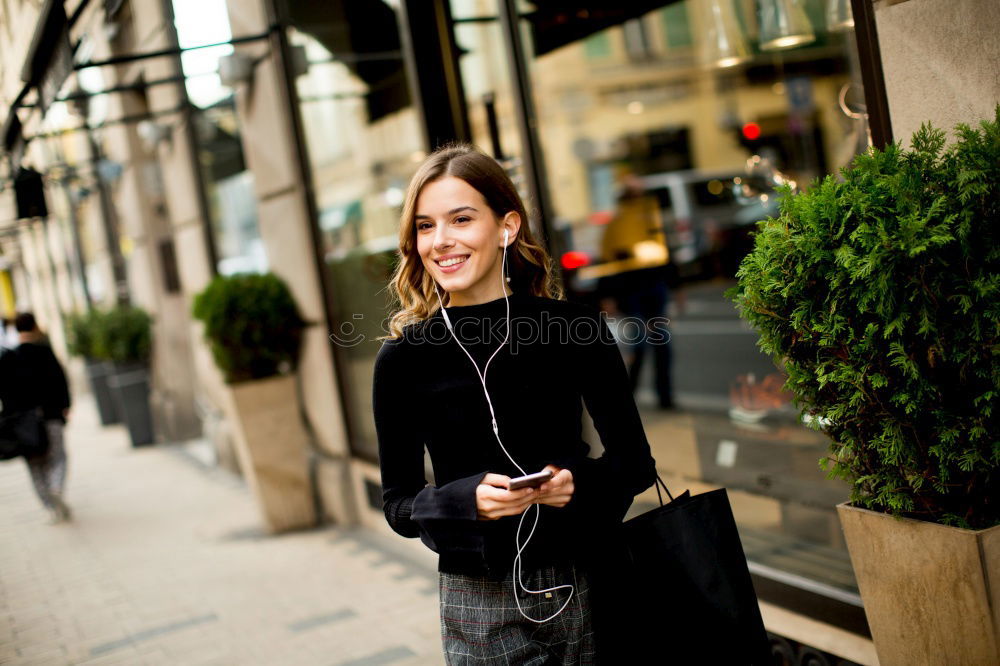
{"type": "Point", "coordinates": [129, 386]}
{"type": "Point", "coordinates": [98, 373]}
{"type": "Point", "coordinates": [272, 448]}
{"type": "Point", "coordinates": [931, 592]}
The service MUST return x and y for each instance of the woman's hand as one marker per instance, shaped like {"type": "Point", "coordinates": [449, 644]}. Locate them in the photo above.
{"type": "Point", "coordinates": [493, 500]}
{"type": "Point", "coordinates": [558, 490]}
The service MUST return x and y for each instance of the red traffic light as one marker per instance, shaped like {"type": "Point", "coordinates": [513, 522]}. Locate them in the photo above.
{"type": "Point", "coordinates": [571, 260]}
{"type": "Point", "coordinates": [751, 131]}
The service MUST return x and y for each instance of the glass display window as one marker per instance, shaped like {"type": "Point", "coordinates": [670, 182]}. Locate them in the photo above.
{"type": "Point", "coordinates": [666, 130]}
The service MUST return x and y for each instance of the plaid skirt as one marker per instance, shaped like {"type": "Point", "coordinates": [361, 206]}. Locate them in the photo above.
{"type": "Point", "coordinates": [481, 624]}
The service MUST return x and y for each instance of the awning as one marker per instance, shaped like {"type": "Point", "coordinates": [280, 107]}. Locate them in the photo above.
{"type": "Point", "coordinates": [557, 23]}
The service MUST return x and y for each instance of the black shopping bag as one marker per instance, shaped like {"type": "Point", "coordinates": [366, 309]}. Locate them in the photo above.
{"type": "Point", "coordinates": [23, 434]}
{"type": "Point", "coordinates": [685, 558]}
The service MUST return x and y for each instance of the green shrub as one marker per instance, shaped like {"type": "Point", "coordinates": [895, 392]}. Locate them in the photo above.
{"type": "Point", "coordinates": [879, 295]}
{"type": "Point", "coordinates": [121, 334]}
{"type": "Point", "coordinates": [80, 332]}
{"type": "Point", "coordinates": [252, 324]}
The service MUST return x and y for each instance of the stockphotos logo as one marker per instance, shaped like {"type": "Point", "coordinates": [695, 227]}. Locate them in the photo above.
{"type": "Point", "coordinates": [548, 329]}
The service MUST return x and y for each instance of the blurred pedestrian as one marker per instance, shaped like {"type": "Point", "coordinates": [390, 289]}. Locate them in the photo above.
{"type": "Point", "coordinates": [635, 243]}
{"type": "Point", "coordinates": [510, 592]}
{"type": "Point", "coordinates": [32, 377]}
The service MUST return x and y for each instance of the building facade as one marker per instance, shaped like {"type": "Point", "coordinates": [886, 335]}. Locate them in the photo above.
{"type": "Point", "coordinates": [180, 140]}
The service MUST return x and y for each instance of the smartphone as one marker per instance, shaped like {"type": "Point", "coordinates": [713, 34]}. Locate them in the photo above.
{"type": "Point", "coordinates": [530, 480]}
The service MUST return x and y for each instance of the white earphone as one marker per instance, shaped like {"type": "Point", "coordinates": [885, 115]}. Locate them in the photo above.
{"type": "Point", "coordinates": [506, 234]}
{"type": "Point", "coordinates": [482, 378]}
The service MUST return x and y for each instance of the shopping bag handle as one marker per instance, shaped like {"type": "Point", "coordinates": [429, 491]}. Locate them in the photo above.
{"type": "Point", "coordinates": [659, 482]}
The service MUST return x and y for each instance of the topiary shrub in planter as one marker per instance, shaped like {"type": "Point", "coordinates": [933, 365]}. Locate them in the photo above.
{"type": "Point", "coordinates": [879, 292]}
{"type": "Point", "coordinates": [80, 334]}
{"type": "Point", "coordinates": [82, 330]}
{"type": "Point", "coordinates": [254, 329]}
{"type": "Point", "coordinates": [123, 337]}
{"type": "Point", "coordinates": [252, 324]}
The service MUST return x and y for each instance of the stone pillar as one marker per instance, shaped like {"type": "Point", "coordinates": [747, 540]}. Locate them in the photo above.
{"type": "Point", "coordinates": [941, 61]}
{"type": "Point", "coordinates": [272, 154]}
{"type": "Point", "coordinates": [146, 211]}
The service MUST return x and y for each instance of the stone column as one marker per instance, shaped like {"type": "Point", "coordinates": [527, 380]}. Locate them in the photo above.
{"type": "Point", "coordinates": [147, 204]}
{"type": "Point", "coordinates": [941, 61]}
{"type": "Point", "coordinates": [272, 154]}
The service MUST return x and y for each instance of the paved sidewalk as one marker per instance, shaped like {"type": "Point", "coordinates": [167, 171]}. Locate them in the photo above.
{"type": "Point", "coordinates": [164, 563]}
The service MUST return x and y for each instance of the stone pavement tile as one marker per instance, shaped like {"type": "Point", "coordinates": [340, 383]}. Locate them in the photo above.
{"type": "Point", "coordinates": [103, 634]}
{"type": "Point", "coordinates": [123, 658]}
{"type": "Point", "coordinates": [320, 620]}
{"type": "Point", "coordinates": [38, 627]}
{"type": "Point", "coordinates": [388, 656]}
{"type": "Point", "coordinates": [227, 660]}
{"type": "Point", "coordinates": [55, 659]}
{"type": "Point", "coordinates": [154, 657]}
{"type": "Point", "coordinates": [39, 652]}
{"type": "Point", "coordinates": [425, 660]}
{"type": "Point", "coordinates": [198, 654]}
{"type": "Point", "coordinates": [98, 628]}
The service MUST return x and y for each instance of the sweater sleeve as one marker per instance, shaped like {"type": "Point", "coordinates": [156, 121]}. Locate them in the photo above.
{"type": "Point", "coordinates": [606, 486]}
{"type": "Point", "coordinates": [440, 516]}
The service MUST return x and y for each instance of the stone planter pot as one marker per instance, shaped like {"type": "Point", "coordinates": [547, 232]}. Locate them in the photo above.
{"type": "Point", "coordinates": [130, 390]}
{"type": "Point", "coordinates": [98, 373]}
{"type": "Point", "coordinates": [931, 592]}
{"type": "Point", "coordinates": [273, 450]}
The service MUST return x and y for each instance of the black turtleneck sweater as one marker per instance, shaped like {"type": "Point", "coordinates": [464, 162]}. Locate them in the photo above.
{"type": "Point", "coordinates": [427, 394]}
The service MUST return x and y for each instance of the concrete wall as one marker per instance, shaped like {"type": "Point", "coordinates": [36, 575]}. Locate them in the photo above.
{"type": "Point", "coordinates": [941, 60]}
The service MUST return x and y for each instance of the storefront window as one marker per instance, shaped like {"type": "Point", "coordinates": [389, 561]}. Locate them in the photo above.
{"type": "Point", "coordinates": [230, 188]}
{"type": "Point", "coordinates": [666, 129]}
{"type": "Point", "coordinates": [228, 183]}
{"type": "Point", "coordinates": [364, 142]}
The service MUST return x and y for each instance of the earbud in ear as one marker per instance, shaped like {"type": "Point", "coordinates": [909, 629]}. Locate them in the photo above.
{"type": "Point", "coordinates": [506, 235]}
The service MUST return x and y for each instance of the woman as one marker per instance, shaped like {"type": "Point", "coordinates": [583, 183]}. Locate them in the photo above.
{"type": "Point", "coordinates": [486, 366]}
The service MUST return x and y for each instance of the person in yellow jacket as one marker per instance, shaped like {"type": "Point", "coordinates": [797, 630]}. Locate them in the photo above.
{"type": "Point", "coordinates": [634, 248]}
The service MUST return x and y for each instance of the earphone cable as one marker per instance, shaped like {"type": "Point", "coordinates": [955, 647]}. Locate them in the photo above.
{"type": "Point", "coordinates": [482, 379]}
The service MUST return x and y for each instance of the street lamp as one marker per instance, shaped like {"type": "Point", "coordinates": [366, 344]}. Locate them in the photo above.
{"type": "Point", "coordinates": [839, 15]}
{"type": "Point", "coordinates": [784, 25]}
{"type": "Point", "coordinates": [725, 45]}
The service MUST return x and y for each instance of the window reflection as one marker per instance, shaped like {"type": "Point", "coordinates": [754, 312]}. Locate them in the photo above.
{"type": "Point", "coordinates": [667, 129]}
{"type": "Point", "coordinates": [229, 185]}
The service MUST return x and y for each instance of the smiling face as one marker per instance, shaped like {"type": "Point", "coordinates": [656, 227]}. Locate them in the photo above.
{"type": "Point", "coordinates": [454, 223]}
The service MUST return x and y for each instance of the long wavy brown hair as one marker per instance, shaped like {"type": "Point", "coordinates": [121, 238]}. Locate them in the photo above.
{"type": "Point", "coordinates": [529, 265]}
